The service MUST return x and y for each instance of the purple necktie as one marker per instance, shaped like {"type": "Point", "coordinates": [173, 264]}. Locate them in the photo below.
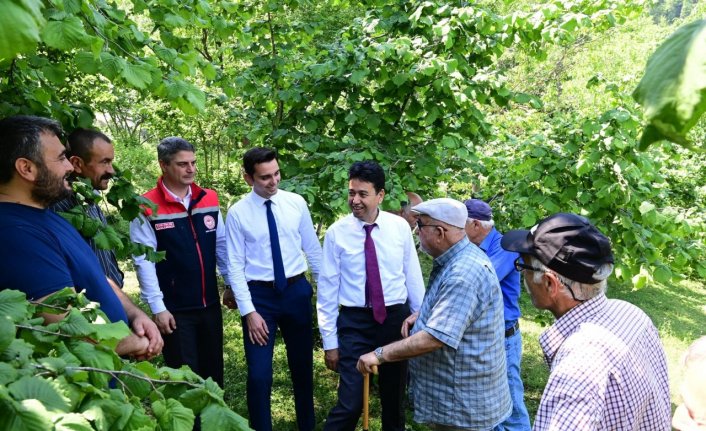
{"type": "Point", "coordinates": [373, 285]}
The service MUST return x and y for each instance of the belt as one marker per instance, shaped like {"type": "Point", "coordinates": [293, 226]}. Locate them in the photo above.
{"type": "Point", "coordinates": [515, 328]}
{"type": "Point", "coordinates": [271, 284]}
{"type": "Point", "coordinates": [394, 307]}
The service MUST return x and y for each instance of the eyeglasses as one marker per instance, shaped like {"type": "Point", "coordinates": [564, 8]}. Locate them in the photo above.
{"type": "Point", "coordinates": [520, 266]}
{"type": "Point", "coordinates": [420, 225]}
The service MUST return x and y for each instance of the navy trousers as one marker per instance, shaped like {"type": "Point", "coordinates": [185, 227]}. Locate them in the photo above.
{"type": "Point", "coordinates": [197, 342]}
{"type": "Point", "coordinates": [359, 333]}
{"type": "Point", "coordinates": [290, 311]}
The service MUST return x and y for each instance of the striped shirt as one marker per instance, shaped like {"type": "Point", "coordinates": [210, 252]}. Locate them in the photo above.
{"type": "Point", "coordinates": [106, 257]}
{"type": "Point", "coordinates": [464, 383]}
{"type": "Point", "coordinates": [608, 370]}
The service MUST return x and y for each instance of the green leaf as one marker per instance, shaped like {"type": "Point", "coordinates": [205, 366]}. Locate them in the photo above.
{"type": "Point", "coordinates": [662, 274]}
{"type": "Point", "coordinates": [36, 388]}
{"type": "Point", "coordinates": [646, 207]}
{"type": "Point", "coordinates": [112, 66]}
{"type": "Point", "coordinates": [86, 63]}
{"type": "Point", "coordinates": [358, 76]}
{"type": "Point", "coordinates": [107, 238]}
{"type": "Point", "coordinates": [172, 415]}
{"type": "Point", "coordinates": [72, 422]}
{"type": "Point", "coordinates": [137, 75]}
{"type": "Point", "coordinates": [217, 417]}
{"type": "Point", "coordinates": [20, 22]}
{"type": "Point", "coordinates": [8, 373]}
{"type": "Point", "coordinates": [110, 334]}
{"type": "Point", "coordinates": [13, 304]}
{"type": "Point", "coordinates": [7, 332]}
{"type": "Point", "coordinates": [19, 350]}
{"type": "Point", "coordinates": [96, 358]}
{"type": "Point", "coordinates": [673, 89]}
{"type": "Point", "coordinates": [66, 34]}
{"type": "Point", "coordinates": [76, 324]}
{"type": "Point", "coordinates": [137, 387]}
{"type": "Point", "coordinates": [27, 415]}
{"type": "Point", "coordinates": [195, 399]}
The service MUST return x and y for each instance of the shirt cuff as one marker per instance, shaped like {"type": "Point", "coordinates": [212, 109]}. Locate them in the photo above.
{"type": "Point", "coordinates": [330, 342]}
{"type": "Point", "coordinates": [157, 306]}
{"type": "Point", "coordinates": [245, 307]}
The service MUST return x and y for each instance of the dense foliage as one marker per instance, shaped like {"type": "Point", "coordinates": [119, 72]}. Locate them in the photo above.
{"type": "Point", "coordinates": [66, 375]}
{"type": "Point", "coordinates": [445, 95]}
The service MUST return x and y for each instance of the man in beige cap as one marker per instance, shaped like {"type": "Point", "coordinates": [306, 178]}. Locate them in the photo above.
{"type": "Point", "coordinates": [456, 339]}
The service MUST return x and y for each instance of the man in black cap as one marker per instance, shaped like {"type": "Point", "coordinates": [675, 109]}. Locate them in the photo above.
{"type": "Point", "coordinates": [608, 369]}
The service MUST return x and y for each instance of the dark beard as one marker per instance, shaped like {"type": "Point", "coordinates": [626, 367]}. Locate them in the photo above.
{"type": "Point", "coordinates": [49, 189]}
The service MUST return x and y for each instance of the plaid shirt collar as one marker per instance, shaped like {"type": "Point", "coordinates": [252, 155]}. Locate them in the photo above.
{"type": "Point", "coordinates": [449, 254]}
{"type": "Point", "coordinates": [552, 339]}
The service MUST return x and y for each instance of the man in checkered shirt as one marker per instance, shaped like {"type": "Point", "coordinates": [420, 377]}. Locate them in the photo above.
{"type": "Point", "coordinates": [457, 338]}
{"type": "Point", "coordinates": [608, 369]}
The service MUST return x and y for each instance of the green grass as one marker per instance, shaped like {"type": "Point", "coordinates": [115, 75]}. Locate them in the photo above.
{"type": "Point", "coordinates": [678, 311]}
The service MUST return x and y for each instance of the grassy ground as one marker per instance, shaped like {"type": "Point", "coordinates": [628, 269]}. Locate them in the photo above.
{"type": "Point", "coordinates": [678, 311]}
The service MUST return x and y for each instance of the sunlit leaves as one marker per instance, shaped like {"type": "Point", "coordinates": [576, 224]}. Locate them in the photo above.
{"type": "Point", "coordinates": [20, 23]}
{"type": "Point", "coordinates": [673, 89]}
{"type": "Point", "coordinates": [65, 34]}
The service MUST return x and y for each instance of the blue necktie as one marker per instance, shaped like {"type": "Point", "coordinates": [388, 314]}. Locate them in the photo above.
{"type": "Point", "coordinates": [277, 262]}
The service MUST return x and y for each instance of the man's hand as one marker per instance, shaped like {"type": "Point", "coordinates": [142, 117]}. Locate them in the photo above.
{"type": "Point", "coordinates": [133, 345]}
{"type": "Point", "coordinates": [229, 299]}
{"type": "Point", "coordinates": [331, 359]}
{"type": "Point", "coordinates": [165, 322]}
{"type": "Point", "coordinates": [144, 327]}
{"type": "Point", "coordinates": [257, 328]}
{"type": "Point", "coordinates": [408, 324]}
{"type": "Point", "coordinates": [368, 363]}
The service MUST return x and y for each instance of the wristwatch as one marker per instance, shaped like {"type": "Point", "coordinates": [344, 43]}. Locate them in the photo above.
{"type": "Point", "coordinates": [378, 355]}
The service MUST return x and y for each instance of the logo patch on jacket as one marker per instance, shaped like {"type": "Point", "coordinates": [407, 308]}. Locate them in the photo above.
{"type": "Point", "coordinates": [165, 225]}
{"type": "Point", "coordinates": [210, 222]}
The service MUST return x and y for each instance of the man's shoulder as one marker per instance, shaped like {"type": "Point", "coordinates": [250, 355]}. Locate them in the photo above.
{"type": "Point", "coordinates": [244, 201]}
{"type": "Point", "coordinates": [342, 224]}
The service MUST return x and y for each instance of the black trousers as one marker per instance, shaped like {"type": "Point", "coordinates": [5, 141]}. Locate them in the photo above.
{"type": "Point", "coordinates": [359, 333]}
{"type": "Point", "coordinates": [197, 342]}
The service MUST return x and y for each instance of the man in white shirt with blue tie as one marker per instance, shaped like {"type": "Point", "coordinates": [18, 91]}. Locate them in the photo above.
{"type": "Point", "coordinates": [266, 232]}
{"type": "Point", "coordinates": [371, 270]}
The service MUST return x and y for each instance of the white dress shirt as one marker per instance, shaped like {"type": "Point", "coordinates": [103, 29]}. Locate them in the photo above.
{"type": "Point", "coordinates": [342, 279]}
{"type": "Point", "coordinates": [141, 232]}
{"type": "Point", "coordinates": [248, 242]}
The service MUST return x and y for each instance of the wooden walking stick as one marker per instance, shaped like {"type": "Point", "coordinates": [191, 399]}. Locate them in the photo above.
{"type": "Point", "coordinates": [366, 397]}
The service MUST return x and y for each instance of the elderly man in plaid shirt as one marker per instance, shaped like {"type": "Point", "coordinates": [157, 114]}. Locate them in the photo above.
{"type": "Point", "coordinates": [608, 369]}
{"type": "Point", "coordinates": [457, 340]}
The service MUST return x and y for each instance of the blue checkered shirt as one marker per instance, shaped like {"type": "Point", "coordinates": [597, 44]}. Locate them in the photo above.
{"type": "Point", "coordinates": [464, 383]}
{"type": "Point", "coordinates": [608, 371]}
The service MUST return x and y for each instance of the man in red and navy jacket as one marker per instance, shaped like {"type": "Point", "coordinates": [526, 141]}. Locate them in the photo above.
{"type": "Point", "coordinates": [182, 290]}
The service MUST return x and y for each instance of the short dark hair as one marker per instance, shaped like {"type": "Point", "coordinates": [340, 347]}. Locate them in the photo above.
{"type": "Point", "coordinates": [369, 171]}
{"type": "Point", "coordinates": [20, 138]}
{"type": "Point", "coordinates": [80, 142]}
{"type": "Point", "coordinates": [256, 156]}
{"type": "Point", "coordinates": [168, 147]}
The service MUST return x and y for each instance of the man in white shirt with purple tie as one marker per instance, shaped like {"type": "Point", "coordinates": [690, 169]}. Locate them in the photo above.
{"type": "Point", "coordinates": [371, 270]}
